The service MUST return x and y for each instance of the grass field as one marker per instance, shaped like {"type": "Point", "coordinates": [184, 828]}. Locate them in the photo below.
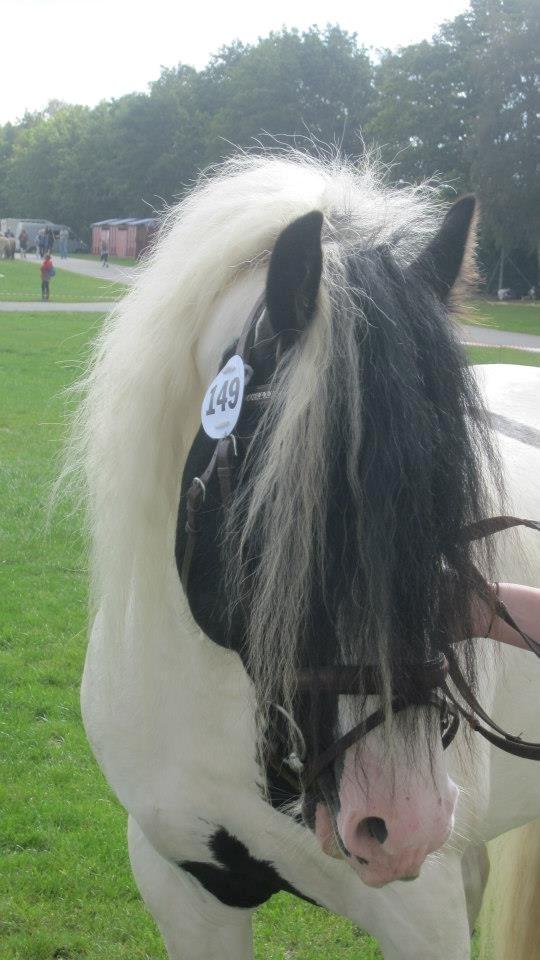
{"type": "Point", "coordinates": [503, 355]}
{"type": "Point", "coordinates": [515, 317]}
{"type": "Point", "coordinates": [65, 884]}
{"type": "Point", "coordinates": [20, 280]}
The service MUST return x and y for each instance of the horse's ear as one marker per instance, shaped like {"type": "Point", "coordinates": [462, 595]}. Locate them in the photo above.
{"type": "Point", "coordinates": [449, 257]}
{"type": "Point", "coordinates": [294, 275]}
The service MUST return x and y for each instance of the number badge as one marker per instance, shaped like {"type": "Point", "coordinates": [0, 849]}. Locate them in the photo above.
{"type": "Point", "coordinates": [223, 400]}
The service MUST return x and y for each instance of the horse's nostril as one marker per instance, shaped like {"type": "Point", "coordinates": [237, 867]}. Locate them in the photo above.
{"type": "Point", "coordinates": [376, 828]}
{"type": "Point", "coordinates": [358, 837]}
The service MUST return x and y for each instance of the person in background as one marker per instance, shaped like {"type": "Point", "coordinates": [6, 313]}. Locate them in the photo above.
{"type": "Point", "coordinates": [49, 240]}
{"type": "Point", "coordinates": [23, 243]}
{"type": "Point", "coordinates": [40, 243]}
{"type": "Point", "coordinates": [104, 253]}
{"type": "Point", "coordinates": [64, 237]}
{"type": "Point", "coordinates": [47, 273]}
{"type": "Point", "coordinates": [8, 245]}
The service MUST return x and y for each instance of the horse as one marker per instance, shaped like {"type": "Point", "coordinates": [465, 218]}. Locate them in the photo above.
{"type": "Point", "coordinates": [273, 615]}
{"type": "Point", "coordinates": [7, 248]}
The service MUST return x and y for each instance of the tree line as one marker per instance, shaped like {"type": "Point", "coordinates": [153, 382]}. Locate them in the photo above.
{"type": "Point", "coordinates": [464, 107]}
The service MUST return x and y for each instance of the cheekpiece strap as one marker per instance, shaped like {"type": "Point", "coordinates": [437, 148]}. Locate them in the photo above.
{"type": "Point", "coordinates": [221, 460]}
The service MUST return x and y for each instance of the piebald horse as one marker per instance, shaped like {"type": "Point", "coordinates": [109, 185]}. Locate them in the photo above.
{"type": "Point", "coordinates": [279, 720]}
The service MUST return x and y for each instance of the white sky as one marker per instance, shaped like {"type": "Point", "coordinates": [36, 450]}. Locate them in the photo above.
{"type": "Point", "coordinates": [84, 51]}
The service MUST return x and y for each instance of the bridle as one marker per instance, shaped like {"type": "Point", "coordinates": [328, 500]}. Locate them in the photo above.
{"type": "Point", "coordinates": [431, 677]}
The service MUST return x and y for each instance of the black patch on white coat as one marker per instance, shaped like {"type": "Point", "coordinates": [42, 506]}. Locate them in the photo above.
{"type": "Point", "coordinates": [240, 880]}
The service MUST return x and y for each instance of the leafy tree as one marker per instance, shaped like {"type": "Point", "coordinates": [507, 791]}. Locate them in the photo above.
{"type": "Point", "coordinates": [498, 43]}
{"type": "Point", "coordinates": [291, 85]}
{"type": "Point", "coordinates": [8, 136]}
{"type": "Point", "coordinates": [467, 106]}
{"type": "Point", "coordinates": [421, 115]}
{"type": "Point", "coordinates": [42, 176]}
{"type": "Point", "coordinates": [178, 95]}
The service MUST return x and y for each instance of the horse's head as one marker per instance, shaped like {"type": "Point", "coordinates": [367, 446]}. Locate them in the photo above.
{"type": "Point", "coordinates": [330, 553]}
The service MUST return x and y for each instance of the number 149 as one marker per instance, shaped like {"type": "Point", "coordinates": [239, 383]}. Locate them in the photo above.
{"type": "Point", "coordinates": [227, 396]}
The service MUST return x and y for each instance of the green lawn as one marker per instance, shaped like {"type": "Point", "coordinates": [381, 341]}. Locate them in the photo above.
{"type": "Point", "coordinates": [515, 317]}
{"type": "Point", "coordinates": [65, 884]}
{"type": "Point", "coordinates": [21, 280]}
{"type": "Point", "coordinates": [503, 355]}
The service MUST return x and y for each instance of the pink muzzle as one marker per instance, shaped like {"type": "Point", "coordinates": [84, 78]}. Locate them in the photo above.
{"type": "Point", "coordinates": [390, 818]}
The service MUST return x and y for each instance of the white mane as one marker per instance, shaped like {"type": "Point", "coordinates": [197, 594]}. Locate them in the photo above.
{"type": "Point", "coordinates": [143, 390]}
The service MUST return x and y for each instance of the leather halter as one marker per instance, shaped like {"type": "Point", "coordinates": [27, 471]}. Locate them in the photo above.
{"type": "Point", "coordinates": [430, 676]}
{"type": "Point", "coordinates": [225, 449]}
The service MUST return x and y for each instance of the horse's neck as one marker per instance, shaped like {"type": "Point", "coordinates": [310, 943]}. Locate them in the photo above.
{"type": "Point", "coordinates": [159, 695]}
{"type": "Point", "coordinates": [515, 704]}
{"type": "Point", "coordinates": [503, 789]}
{"type": "Point", "coordinates": [161, 635]}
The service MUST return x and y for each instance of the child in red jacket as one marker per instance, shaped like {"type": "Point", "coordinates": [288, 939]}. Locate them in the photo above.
{"type": "Point", "coordinates": [47, 273]}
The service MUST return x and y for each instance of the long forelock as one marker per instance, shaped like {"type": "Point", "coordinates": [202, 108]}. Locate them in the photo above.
{"type": "Point", "coordinates": [327, 393]}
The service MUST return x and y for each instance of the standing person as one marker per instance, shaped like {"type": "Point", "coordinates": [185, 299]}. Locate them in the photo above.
{"type": "Point", "coordinates": [47, 273]}
{"type": "Point", "coordinates": [49, 240]}
{"type": "Point", "coordinates": [23, 243]}
{"type": "Point", "coordinates": [40, 243]}
{"type": "Point", "coordinates": [104, 253]}
{"type": "Point", "coordinates": [64, 237]}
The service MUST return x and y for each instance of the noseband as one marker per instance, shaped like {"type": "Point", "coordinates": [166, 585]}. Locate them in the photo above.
{"type": "Point", "coordinates": [431, 677]}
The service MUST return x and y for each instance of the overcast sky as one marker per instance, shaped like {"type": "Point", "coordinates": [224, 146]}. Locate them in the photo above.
{"type": "Point", "coordinates": [84, 51]}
